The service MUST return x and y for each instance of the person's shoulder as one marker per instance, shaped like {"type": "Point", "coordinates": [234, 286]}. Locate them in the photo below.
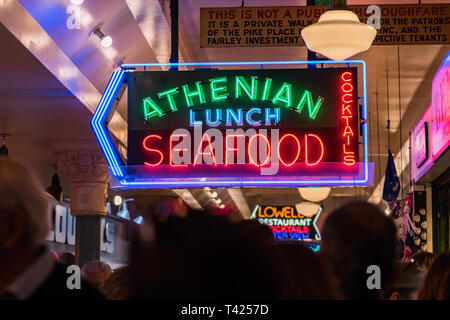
{"type": "Point", "coordinates": [56, 288]}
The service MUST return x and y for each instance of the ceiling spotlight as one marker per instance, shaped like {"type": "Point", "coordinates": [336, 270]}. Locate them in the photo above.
{"type": "Point", "coordinates": [139, 220]}
{"type": "Point", "coordinates": [77, 2]}
{"type": "Point", "coordinates": [214, 194]}
{"type": "Point", "coordinates": [207, 188]}
{"type": "Point", "coordinates": [339, 34]}
{"type": "Point", "coordinates": [106, 41]}
{"type": "Point", "coordinates": [218, 201]}
{"type": "Point", "coordinates": [124, 213]}
{"type": "Point", "coordinates": [222, 206]}
{"type": "Point", "coordinates": [118, 200]}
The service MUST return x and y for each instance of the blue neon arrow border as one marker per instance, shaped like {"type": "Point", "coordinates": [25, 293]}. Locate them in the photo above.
{"type": "Point", "coordinates": [118, 78]}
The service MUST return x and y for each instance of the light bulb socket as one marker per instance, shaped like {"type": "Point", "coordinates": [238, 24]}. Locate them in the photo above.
{"type": "Point", "coordinates": [339, 5]}
{"type": "Point", "coordinates": [97, 31]}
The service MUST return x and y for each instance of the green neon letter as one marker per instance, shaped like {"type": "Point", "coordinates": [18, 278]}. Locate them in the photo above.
{"type": "Point", "coordinates": [241, 83]}
{"type": "Point", "coordinates": [151, 109]}
{"type": "Point", "coordinates": [284, 95]}
{"type": "Point", "coordinates": [307, 99]}
{"type": "Point", "coordinates": [169, 94]}
{"type": "Point", "coordinates": [189, 94]}
{"type": "Point", "coordinates": [265, 95]}
{"type": "Point", "coordinates": [215, 95]}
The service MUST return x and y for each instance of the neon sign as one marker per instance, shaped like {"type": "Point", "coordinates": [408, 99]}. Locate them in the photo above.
{"type": "Point", "coordinates": [267, 127]}
{"type": "Point", "coordinates": [287, 223]}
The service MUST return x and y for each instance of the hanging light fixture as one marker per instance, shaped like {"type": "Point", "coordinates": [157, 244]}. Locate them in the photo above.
{"type": "Point", "coordinates": [139, 220]}
{"type": "Point", "coordinates": [307, 209]}
{"type": "Point", "coordinates": [105, 41]}
{"type": "Point", "coordinates": [55, 189]}
{"type": "Point", "coordinates": [339, 34]}
{"type": "Point", "coordinates": [4, 150]}
{"type": "Point", "coordinates": [314, 194]}
{"type": "Point", "coordinates": [124, 213]}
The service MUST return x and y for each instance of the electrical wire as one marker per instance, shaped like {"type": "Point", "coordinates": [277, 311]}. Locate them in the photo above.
{"type": "Point", "coordinates": [388, 127]}
{"type": "Point", "coordinates": [400, 119]}
{"type": "Point", "coordinates": [378, 140]}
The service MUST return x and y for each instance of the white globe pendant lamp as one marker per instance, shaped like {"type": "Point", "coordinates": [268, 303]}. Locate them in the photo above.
{"type": "Point", "coordinates": [314, 194]}
{"type": "Point", "coordinates": [307, 209]}
{"type": "Point", "coordinates": [339, 34]}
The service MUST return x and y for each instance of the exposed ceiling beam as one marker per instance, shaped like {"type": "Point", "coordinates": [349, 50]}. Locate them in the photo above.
{"type": "Point", "coordinates": [187, 196]}
{"type": "Point", "coordinates": [239, 200]}
{"type": "Point", "coordinates": [151, 20]}
{"type": "Point", "coordinates": [33, 37]}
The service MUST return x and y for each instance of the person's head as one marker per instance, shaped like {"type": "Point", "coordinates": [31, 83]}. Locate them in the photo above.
{"type": "Point", "coordinates": [256, 231]}
{"type": "Point", "coordinates": [117, 286]}
{"type": "Point", "coordinates": [200, 257]}
{"type": "Point", "coordinates": [95, 272]}
{"type": "Point", "coordinates": [24, 219]}
{"type": "Point", "coordinates": [423, 260]}
{"type": "Point", "coordinates": [407, 285]}
{"type": "Point", "coordinates": [304, 274]}
{"type": "Point", "coordinates": [359, 240]}
{"type": "Point", "coordinates": [436, 285]}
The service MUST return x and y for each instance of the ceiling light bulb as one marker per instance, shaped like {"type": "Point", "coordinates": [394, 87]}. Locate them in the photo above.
{"type": "Point", "coordinates": [118, 200]}
{"type": "Point", "coordinates": [106, 41]}
{"type": "Point", "coordinates": [218, 201]}
{"type": "Point", "coordinates": [77, 2]}
{"type": "Point", "coordinates": [222, 206]}
{"type": "Point", "coordinates": [338, 35]}
{"type": "Point", "coordinates": [214, 194]}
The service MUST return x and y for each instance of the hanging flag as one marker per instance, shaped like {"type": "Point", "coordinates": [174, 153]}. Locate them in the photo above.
{"type": "Point", "coordinates": [391, 182]}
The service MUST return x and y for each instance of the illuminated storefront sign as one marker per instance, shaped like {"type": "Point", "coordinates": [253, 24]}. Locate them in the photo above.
{"type": "Point", "coordinates": [420, 144]}
{"type": "Point", "coordinates": [287, 223]}
{"type": "Point", "coordinates": [440, 109]}
{"type": "Point", "coordinates": [264, 127]}
{"type": "Point", "coordinates": [63, 227]}
{"type": "Point", "coordinates": [430, 137]}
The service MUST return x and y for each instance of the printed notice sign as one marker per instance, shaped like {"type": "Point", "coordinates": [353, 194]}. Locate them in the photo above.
{"type": "Point", "coordinates": [281, 26]}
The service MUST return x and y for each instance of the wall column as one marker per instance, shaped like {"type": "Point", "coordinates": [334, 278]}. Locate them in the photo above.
{"type": "Point", "coordinates": [86, 168]}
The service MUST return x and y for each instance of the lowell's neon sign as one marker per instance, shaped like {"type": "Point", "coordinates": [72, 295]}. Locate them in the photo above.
{"type": "Point", "coordinates": [287, 223]}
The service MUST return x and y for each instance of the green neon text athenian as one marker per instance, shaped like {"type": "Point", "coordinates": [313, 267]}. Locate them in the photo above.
{"type": "Point", "coordinates": [265, 95]}
{"type": "Point", "coordinates": [284, 95]}
{"type": "Point", "coordinates": [151, 109]}
{"type": "Point", "coordinates": [313, 108]}
{"type": "Point", "coordinates": [169, 94]}
{"type": "Point", "coordinates": [196, 93]}
{"type": "Point", "coordinates": [250, 90]}
{"type": "Point", "coordinates": [217, 92]}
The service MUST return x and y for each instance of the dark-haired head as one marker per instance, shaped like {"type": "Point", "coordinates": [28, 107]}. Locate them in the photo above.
{"type": "Point", "coordinates": [437, 282]}
{"type": "Point", "coordinates": [306, 276]}
{"type": "Point", "coordinates": [199, 256]}
{"type": "Point", "coordinates": [354, 237]}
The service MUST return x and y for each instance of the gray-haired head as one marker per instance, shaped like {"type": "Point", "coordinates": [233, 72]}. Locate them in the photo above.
{"type": "Point", "coordinates": [21, 193]}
